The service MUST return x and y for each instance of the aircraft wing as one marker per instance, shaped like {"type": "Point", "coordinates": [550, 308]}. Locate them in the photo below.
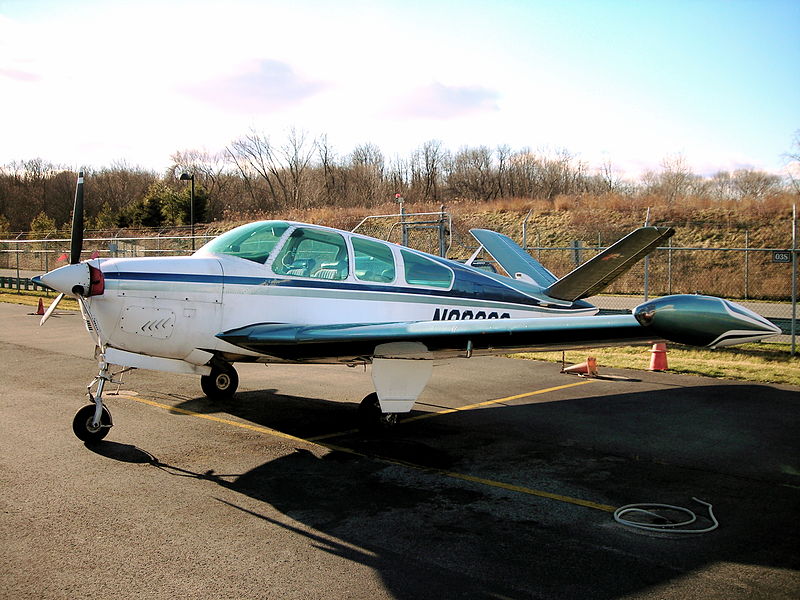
{"type": "Point", "coordinates": [685, 319]}
{"type": "Point", "coordinates": [297, 342]}
{"type": "Point", "coordinates": [596, 274]}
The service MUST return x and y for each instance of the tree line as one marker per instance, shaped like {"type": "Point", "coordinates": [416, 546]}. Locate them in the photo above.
{"type": "Point", "coordinates": [257, 175]}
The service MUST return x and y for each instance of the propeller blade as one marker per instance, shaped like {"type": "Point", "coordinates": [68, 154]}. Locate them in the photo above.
{"type": "Point", "coordinates": [50, 309]}
{"type": "Point", "coordinates": [76, 242]}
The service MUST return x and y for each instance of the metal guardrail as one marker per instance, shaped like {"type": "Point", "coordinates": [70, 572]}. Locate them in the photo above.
{"type": "Point", "coordinates": [20, 284]}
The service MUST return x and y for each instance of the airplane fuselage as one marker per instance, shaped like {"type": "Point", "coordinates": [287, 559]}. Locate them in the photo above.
{"type": "Point", "coordinates": [171, 306]}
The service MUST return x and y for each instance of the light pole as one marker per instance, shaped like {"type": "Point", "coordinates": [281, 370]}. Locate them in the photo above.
{"type": "Point", "coordinates": [187, 177]}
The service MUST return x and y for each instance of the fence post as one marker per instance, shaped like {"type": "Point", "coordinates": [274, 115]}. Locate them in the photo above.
{"type": "Point", "coordinates": [442, 227]}
{"type": "Point", "coordinates": [746, 264]}
{"type": "Point", "coordinates": [576, 252]}
{"type": "Point", "coordinates": [794, 278]}
{"type": "Point", "coordinates": [669, 266]}
{"type": "Point", "coordinates": [647, 262]}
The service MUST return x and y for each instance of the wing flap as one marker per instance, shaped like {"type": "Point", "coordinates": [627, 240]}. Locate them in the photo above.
{"type": "Point", "coordinates": [596, 274]}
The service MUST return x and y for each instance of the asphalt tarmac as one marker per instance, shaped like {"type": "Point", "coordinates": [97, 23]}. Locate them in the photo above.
{"type": "Point", "coordinates": [273, 495]}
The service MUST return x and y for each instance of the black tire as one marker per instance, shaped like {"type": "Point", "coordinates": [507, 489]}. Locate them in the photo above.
{"type": "Point", "coordinates": [82, 424]}
{"type": "Point", "coordinates": [221, 384]}
{"type": "Point", "coordinates": [371, 418]}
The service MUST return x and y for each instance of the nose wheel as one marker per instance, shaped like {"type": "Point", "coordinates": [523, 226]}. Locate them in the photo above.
{"type": "Point", "coordinates": [83, 424]}
{"type": "Point", "coordinates": [92, 422]}
{"type": "Point", "coordinates": [221, 384]}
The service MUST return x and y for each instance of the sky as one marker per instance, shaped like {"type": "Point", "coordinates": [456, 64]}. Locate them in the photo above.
{"type": "Point", "coordinates": [92, 83]}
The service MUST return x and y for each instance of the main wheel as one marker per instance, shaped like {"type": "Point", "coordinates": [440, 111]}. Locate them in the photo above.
{"type": "Point", "coordinates": [221, 384]}
{"type": "Point", "coordinates": [83, 428]}
{"type": "Point", "coordinates": [372, 418]}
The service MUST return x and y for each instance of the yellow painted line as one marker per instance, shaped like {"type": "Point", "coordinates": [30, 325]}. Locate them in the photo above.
{"type": "Point", "coordinates": [448, 411]}
{"type": "Point", "coordinates": [498, 401]}
{"type": "Point", "coordinates": [191, 413]}
{"type": "Point", "coordinates": [481, 480]}
{"type": "Point", "coordinates": [470, 478]}
{"type": "Point", "coordinates": [336, 434]}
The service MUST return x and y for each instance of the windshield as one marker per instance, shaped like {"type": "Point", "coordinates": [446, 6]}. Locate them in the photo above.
{"type": "Point", "coordinates": [253, 241]}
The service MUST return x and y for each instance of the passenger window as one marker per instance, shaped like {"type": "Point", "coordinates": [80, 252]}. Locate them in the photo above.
{"type": "Point", "coordinates": [313, 253]}
{"type": "Point", "coordinates": [423, 271]}
{"type": "Point", "coordinates": [373, 261]}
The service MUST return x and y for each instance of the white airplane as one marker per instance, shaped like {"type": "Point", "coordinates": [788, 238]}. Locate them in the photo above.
{"type": "Point", "coordinates": [280, 291]}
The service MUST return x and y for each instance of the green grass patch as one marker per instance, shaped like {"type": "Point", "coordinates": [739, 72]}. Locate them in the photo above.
{"type": "Point", "coordinates": [763, 363]}
{"type": "Point", "coordinates": [31, 298]}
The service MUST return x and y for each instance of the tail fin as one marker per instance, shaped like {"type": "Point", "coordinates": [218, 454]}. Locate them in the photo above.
{"type": "Point", "coordinates": [596, 274]}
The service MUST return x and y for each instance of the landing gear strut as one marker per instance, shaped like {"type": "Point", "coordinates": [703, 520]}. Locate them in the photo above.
{"type": "Point", "coordinates": [92, 422]}
{"type": "Point", "coordinates": [221, 384]}
{"type": "Point", "coordinates": [372, 418]}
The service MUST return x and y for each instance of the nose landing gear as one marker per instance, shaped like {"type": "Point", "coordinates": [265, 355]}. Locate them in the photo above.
{"type": "Point", "coordinates": [92, 422]}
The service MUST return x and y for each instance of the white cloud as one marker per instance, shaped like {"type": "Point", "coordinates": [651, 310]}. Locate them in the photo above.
{"type": "Point", "coordinates": [262, 86]}
{"type": "Point", "coordinates": [439, 101]}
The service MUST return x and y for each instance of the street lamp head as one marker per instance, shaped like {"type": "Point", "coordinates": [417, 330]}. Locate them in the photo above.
{"type": "Point", "coordinates": [186, 177]}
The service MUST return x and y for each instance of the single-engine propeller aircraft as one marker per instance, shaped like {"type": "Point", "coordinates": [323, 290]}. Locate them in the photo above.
{"type": "Point", "coordinates": [280, 291]}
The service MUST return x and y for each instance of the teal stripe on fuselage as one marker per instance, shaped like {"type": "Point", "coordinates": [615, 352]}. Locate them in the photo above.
{"type": "Point", "coordinates": [395, 295]}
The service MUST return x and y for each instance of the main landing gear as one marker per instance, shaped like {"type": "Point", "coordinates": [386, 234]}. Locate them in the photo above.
{"type": "Point", "coordinates": [371, 418]}
{"type": "Point", "coordinates": [221, 384]}
{"type": "Point", "coordinates": [92, 422]}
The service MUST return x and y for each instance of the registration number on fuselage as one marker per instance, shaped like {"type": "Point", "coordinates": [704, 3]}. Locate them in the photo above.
{"type": "Point", "coordinates": [453, 314]}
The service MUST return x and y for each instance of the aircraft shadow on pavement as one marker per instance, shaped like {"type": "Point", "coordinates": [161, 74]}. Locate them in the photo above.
{"type": "Point", "coordinates": [429, 534]}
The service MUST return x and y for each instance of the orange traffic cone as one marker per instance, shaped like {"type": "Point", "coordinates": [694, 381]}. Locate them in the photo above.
{"type": "Point", "coordinates": [658, 358]}
{"type": "Point", "coordinates": [588, 368]}
{"type": "Point", "coordinates": [40, 310]}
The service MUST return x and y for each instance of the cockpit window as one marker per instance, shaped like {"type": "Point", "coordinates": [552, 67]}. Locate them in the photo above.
{"type": "Point", "coordinates": [253, 241]}
{"type": "Point", "coordinates": [313, 253]}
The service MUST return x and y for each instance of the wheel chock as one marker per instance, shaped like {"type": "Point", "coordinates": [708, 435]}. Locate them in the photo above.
{"type": "Point", "coordinates": [587, 368]}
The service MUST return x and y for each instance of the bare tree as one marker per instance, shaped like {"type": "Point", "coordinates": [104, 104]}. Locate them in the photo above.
{"type": "Point", "coordinates": [792, 159]}
{"type": "Point", "coordinates": [427, 164]}
{"type": "Point", "coordinates": [367, 174]}
{"type": "Point", "coordinates": [750, 183]}
{"type": "Point", "coordinates": [610, 177]}
{"type": "Point", "coordinates": [472, 174]}
{"type": "Point", "coordinates": [253, 157]}
{"type": "Point", "coordinates": [212, 173]}
{"type": "Point", "coordinates": [330, 192]}
{"type": "Point", "coordinates": [675, 178]}
{"type": "Point", "coordinates": [503, 153]}
{"type": "Point", "coordinates": [291, 168]}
